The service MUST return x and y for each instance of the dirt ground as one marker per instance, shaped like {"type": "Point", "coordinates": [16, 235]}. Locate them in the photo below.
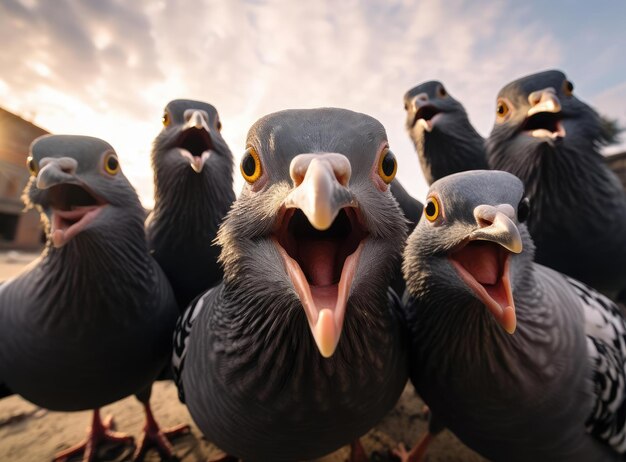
{"type": "Point", "coordinates": [29, 434]}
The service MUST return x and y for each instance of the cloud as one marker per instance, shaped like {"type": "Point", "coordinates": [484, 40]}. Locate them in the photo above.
{"type": "Point", "coordinates": [108, 67]}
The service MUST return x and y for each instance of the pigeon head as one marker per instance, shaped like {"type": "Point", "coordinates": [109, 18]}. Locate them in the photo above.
{"type": "Point", "coordinates": [78, 186]}
{"type": "Point", "coordinates": [538, 116]}
{"type": "Point", "coordinates": [429, 107]}
{"type": "Point", "coordinates": [190, 140]}
{"type": "Point", "coordinates": [445, 140]}
{"type": "Point", "coordinates": [316, 218]}
{"type": "Point", "coordinates": [471, 242]}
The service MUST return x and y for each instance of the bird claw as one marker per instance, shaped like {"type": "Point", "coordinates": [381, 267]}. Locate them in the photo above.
{"type": "Point", "coordinates": [154, 437]}
{"type": "Point", "coordinates": [98, 434]}
{"type": "Point", "coordinates": [401, 453]}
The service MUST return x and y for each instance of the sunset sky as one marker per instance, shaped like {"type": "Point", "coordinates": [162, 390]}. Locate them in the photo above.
{"type": "Point", "coordinates": [107, 68]}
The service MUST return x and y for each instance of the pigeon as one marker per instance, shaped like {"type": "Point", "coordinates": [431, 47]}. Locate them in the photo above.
{"type": "Point", "coordinates": [90, 321]}
{"type": "Point", "coordinates": [301, 349]}
{"type": "Point", "coordinates": [445, 140]}
{"type": "Point", "coordinates": [519, 361]}
{"type": "Point", "coordinates": [550, 139]}
{"type": "Point", "coordinates": [193, 179]}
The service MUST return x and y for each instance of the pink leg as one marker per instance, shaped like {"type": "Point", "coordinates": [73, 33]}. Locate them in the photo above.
{"type": "Point", "coordinates": [357, 453]}
{"type": "Point", "coordinates": [98, 433]}
{"type": "Point", "coordinates": [153, 436]}
{"type": "Point", "coordinates": [417, 453]}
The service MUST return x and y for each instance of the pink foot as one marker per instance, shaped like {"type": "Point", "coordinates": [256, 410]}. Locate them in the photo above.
{"type": "Point", "coordinates": [417, 453]}
{"type": "Point", "coordinates": [154, 437]}
{"type": "Point", "coordinates": [99, 433]}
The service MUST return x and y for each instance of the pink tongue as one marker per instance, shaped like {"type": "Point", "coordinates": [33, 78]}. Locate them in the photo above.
{"type": "Point", "coordinates": [481, 261]}
{"type": "Point", "coordinates": [317, 259]}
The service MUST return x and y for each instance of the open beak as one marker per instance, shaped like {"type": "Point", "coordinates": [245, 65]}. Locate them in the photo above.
{"type": "Point", "coordinates": [422, 112]}
{"type": "Point", "coordinates": [320, 238]}
{"type": "Point", "coordinates": [194, 142]}
{"type": "Point", "coordinates": [543, 119]}
{"type": "Point", "coordinates": [73, 205]}
{"type": "Point", "coordinates": [483, 261]}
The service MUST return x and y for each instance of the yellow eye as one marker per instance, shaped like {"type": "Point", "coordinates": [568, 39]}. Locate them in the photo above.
{"type": "Point", "coordinates": [568, 88]}
{"type": "Point", "coordinates": [251, 165]}
{"type": "Point", "coordinates": [111, 164]}
{"type": "Point", "coordinates": [431, 209]}
{"type": "Point", "coordinates": [387, 166]}
{"type": "Point", "coordinates": [32, 165]}
{"type": "Point", "coordinates": [165, 119]}
{"type": "Point", "coordinates": [502, 109]}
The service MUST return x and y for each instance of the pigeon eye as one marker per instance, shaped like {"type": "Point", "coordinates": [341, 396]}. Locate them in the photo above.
{"type": "Point", "coordinates": [431, 210]}
{"type": "Point", "coordinates": [165, 119]}
{"type": "Point", "coordinates": [219, 126]}
{"type": "Point", "coordinates": [251, 165]}
{"type": "Point", "coordinates": [111, 164]}
{"type": "Point", "coordinates": [523, 210]}
{"type": "Point", "coordinates": [568, 88]}
{"type": "Point", "coordinates": [32, 165]}
{"type": "Point", "coordinates": [502, 109]}
{"type": "Point", "coordinates": [388, 166]}
{"type": "Point", "coordinates": [442, 91]}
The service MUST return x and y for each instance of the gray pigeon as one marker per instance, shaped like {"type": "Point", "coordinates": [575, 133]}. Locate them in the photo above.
{"type": "Point", "coordinates": [300, 350]}
{"type": "Point", "coordinates": [445, 140]}
{"type": "Point", "coordinates": [550, 139]}
{"type": "Point", "coordinates": [90, 321]}
{"type": "Point", "coordinates": [521, 362]}
{"type": "Point", "coordinates": [193, 179]}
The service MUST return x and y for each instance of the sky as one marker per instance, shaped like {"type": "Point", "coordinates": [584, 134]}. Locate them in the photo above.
{"type": "Point", "coordinates": [107, 68]}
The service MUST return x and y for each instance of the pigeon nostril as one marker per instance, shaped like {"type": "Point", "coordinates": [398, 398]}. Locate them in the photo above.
{"type": "Point", "coordinates": [484, 223]}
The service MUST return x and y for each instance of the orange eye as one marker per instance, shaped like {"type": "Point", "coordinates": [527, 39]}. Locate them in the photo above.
{"type": "Point", "coordinates": [502, 109]}
{"type": "Point", "coordinates": [431, 209]}
{"type": "Point", "coordinates": [165, 119]}
{"type": "Point", "coordinates": [111, 164]}
{"type": "Point", "coordinates": [387, 166]}
{"type": "Point", "coordinates": [442, 91]}
{"type": "Point", "coordinates": [219, 126]}
{"type": "Point", "coordinates": [568, 88]}
{"type": "Point", "coordinates": [251, 165]}
{"type": "Point", "coordinates": [32, 165]}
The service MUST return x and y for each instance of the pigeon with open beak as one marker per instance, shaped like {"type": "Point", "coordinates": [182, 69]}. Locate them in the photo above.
{"type": "Point", "coordinates": [301, 350]}
{"type": "Point", "coordinates": [519, 361]}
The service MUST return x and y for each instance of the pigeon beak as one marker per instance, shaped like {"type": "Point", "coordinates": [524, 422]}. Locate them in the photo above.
{"type": "Point", "coordinates": [195, 141]}
{"type": "Point", "coordinates": [544, 101]}
{"type": "Point", "coordinates": [499, 228]}
{"type": "Point", "coordinates": [320, 194]}
{"type": "Point", "coordinates": [195, 120]}
{"type": "Point", "coordinates": [484, 267]}
{"type": "Point", "coordinates": [321, 187]}
{"type": "Point", "coordinates": [57, 170]}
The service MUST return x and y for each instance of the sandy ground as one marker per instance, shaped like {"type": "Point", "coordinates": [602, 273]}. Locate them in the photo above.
{"type": "Point", "coordinates": [29, 434]}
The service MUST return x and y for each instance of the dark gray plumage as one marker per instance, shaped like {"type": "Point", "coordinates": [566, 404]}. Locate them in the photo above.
{"type": "Point", "coordinates": [278, 365]}
{"type": "Point", "coordinates": [193, 178]}
{"type": "Point", "coordinates": [445, 140]}
{"type": "Point", "coordinates": [90, 321]}
{"type": "Point", "coordinates": [519, 361]}
{"type": "Point", "coordinates": [550, 139]}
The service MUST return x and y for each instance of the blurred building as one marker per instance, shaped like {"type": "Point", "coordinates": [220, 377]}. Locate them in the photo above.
{"type": "Point", "coordinates": [18, 230]}
{"type": "Point", "coordinates": [617, 162]}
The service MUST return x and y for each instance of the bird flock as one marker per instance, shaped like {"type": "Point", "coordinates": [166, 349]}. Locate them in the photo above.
{"type": "Point", "coordinates": [292, 317]}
